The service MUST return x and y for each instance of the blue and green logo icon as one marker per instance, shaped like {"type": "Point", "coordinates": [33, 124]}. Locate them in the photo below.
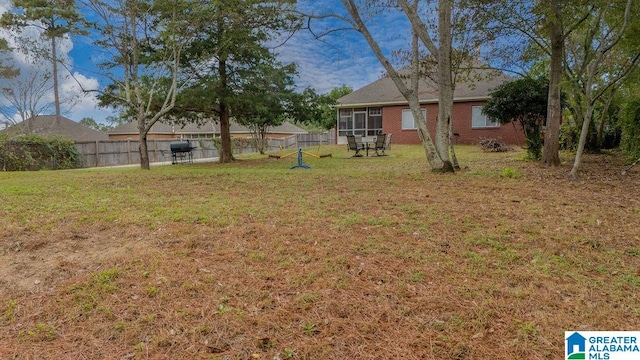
{"type": "Point", "coordinates": [576, 346]}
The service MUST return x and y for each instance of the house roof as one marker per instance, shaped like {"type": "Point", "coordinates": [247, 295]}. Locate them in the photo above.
{"type": "Point", "coordinates": [384, 92]}
{"type": "Point", "coordinates": [48, 125]}
{"type": "Point", "coordinates": [207, 128]}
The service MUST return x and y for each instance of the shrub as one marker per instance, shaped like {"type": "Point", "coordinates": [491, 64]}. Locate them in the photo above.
{"type": "Point", "coordinates": [631, 130]}
{"type": "Point", "coordinates": [33, 152]}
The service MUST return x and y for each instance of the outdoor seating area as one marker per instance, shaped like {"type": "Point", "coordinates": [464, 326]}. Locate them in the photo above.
{"type": "Point", "coordinates": [379, 145]}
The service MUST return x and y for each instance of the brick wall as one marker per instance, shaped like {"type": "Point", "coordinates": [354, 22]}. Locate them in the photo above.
{"type": "Point", "coordinates": [462, 130]}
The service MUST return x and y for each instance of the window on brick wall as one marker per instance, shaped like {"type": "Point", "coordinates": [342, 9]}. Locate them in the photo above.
{"type": "Point", "coordinates": [360, 121]}
{"type": "Point", "coordinates": [408, 122]}
{"type": "Point", "coordinates": [480, 120]}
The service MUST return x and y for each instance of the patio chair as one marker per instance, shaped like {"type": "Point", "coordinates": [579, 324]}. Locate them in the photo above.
{"type": "Point", "coordinates": [379, 145]}
{"type": "Point", "coordinates": [387, 144]}
{"type": "Point", "coordinates": [354, 146]}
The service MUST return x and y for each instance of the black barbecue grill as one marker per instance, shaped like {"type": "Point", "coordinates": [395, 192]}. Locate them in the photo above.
{"type": "Point", "coordinates": [181, 152]}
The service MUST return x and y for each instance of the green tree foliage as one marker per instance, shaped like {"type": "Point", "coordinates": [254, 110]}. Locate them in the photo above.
{"type": "Point", "coordinates": [630, 125]}
{"type": "Point", "coordinates": [270, 89]}
{"type": "Point", "coordinates": [524, 101]}
{"type": "Point", "coordinates": [327, 103]}
{"type": "Point", "coordinates": [90, 122]}
{"type": "Point", "coordinates": [56, 19]}
{"type": "Point", "coordinates": [147, 39]}
{"type": "Point", "coordinates": [317, 110]}
{"type": "Point", "coordinates": [229, 51]}
{"type": "Point", "coordinates": [544, 24]}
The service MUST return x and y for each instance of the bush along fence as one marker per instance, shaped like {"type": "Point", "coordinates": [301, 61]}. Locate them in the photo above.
{"type": "Point", "coordinates": [32, 152]}
{"type": "Point", "coordinates": [125, 152]}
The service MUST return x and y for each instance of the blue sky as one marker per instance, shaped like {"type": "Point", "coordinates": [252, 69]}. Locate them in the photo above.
{"type": "Point", "coordinates": [341, 58]}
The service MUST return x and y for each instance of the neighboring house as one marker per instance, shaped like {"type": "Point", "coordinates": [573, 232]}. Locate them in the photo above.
{"type": "Point", "coordinates": [380, 108]}
{"type": "Point", "coordinates": [209, 130]}
{"type": "Point", "coordinates": [48, 125]}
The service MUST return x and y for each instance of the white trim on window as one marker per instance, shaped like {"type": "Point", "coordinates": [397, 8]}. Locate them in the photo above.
{"type": "Point", "coordinates": [360, 121]}
{"type": "Point", "coordinates": [408, 122]}
{"type": "Point", "coordinates": [479, 120]}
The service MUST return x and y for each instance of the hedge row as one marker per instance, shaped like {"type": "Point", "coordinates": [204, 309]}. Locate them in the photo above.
{"type": "Point", "coordinates": [33, 152]}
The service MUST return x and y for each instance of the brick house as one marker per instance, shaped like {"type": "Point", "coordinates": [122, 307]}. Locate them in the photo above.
{"type": "Point", "coordinates": [380, 108]}
{"type": "Point", "coordinates": [209, 130]}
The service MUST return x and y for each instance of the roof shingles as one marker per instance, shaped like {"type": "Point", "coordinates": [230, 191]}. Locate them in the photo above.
{"type": "Point", "coordinates": [48, 125]}
{"type": "Point", "coordinates": [384, 92]}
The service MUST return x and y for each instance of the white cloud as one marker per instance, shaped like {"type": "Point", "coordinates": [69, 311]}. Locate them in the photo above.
{"type": "Point", "coordinates": [76, 103]}
{"type": "Point", "coordinates": [342, 57]}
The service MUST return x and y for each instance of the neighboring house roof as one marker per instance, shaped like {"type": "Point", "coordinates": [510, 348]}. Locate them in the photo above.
{"type": "Point", "coordinates": [207, 128]}
{"type": "Point", "coordinates": [48, 125]}
{"type": "Point", "coordinates": [384, 91]}
{"type": "Point", "coordinates": [132, 128]}
{"type": "Point", "coordinates": [287, 128]}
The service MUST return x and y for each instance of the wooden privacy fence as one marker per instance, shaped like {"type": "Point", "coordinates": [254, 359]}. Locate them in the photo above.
{"type": "Point", "coordinates": [125, 152]}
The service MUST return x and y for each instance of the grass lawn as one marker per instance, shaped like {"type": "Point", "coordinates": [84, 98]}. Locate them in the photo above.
{"type": "Point", "coordinates": [356, 258]}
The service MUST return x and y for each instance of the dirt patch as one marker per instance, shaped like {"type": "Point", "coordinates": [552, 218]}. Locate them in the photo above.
{"type": "Point", "coordinates": [36, 263]}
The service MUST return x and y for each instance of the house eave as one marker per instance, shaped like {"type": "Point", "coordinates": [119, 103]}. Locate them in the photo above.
{"type": "Point", "coordinates": [398, 103]}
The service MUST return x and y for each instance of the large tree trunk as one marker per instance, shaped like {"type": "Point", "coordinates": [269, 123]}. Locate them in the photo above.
{"type": "Point", "coordinates": [56, 90]}
{"type": "Point", "coordinates": [226, 153]}
{"type": "Point", "coordinates": [445, 84]}
{"type": "Point", "coordinates": [551, 155]}
{"type": "Point", "coordinates": [143, 148]}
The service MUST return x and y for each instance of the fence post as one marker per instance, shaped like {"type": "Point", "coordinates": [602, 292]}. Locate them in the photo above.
{"type": "Point", "coordinates": [97, 153]}
{"type": "Point", "coordinates": [155, 150]}
{"type": "Point", "coordinates": [128, 152]}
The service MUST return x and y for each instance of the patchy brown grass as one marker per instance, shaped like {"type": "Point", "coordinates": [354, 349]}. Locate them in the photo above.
{"type": "Point", "coordinates": [371, 258]}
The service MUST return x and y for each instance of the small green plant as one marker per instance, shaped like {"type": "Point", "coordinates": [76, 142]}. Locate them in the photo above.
{"type": "Point", "coordinates": [309, 329]}
{"type": "Point", "coordinates": [106, 277]}
{"type": "Point", "coordinates": [192, 286]}
{"type": "Point", "coordinates": [222, 309]}
{"type": "Point", "coordinates": [526, 329]}
{"type": "Point", "coordinates": [511, 173]}
{"type": "Point", "coordinates": [152, 291]}
{"type": "Point", "coordinates": [10, 311]}
{"type": "Point", "coordinates": [474, 256]}
{"type": "Point", "coordinates": [41, 332]}
{"type": "Point", "coordinates": [288, 353]}
{"type": "Point", "coordinates": [633, 252]}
